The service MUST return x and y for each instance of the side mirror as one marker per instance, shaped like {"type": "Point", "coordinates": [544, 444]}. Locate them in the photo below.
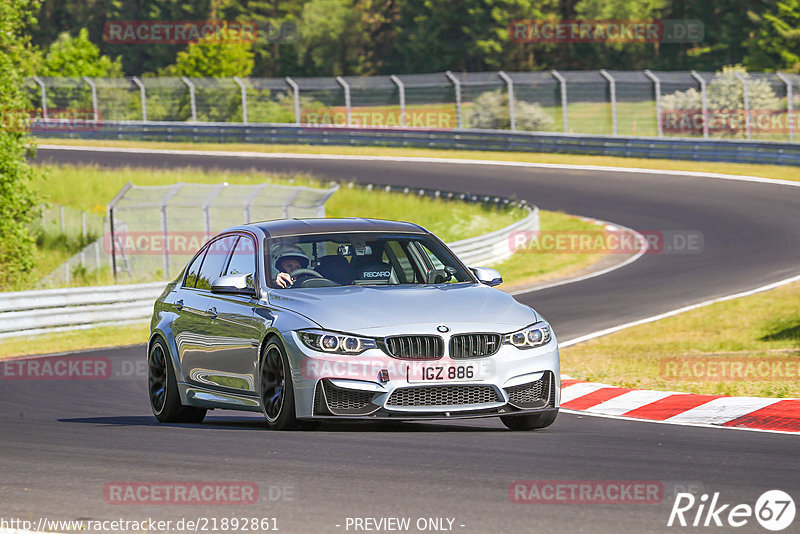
{"type": "Point", "coordinates": [234, 284]}
{"type": "Point", "coordinates": [487, 276]}
{"type": "Point", "coordinates": [438, 276]}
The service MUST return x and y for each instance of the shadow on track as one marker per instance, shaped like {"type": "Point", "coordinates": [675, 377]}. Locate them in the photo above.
{"type": "Point", "coordinates": [257, 424]}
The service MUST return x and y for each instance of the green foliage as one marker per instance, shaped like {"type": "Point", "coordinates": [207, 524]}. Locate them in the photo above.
{"type": "Point", "coordinates": [491, 111]}
{"type": "Point", "coordinates": [16, 198]}
{"type": "Point", "coordinates": [213, 59]}
{"type": "Point", "coordinates": [725, 92]}
{"type": "Point", "coordinates": [360, 37]}
{"type": "Point", "coordinates": [78, 56]}
{"type": "Point", "coordinates": [331, 40]}
{"type": "Point", "coordinates": [471, 35]}
{"type": "Point", "coordinates": [776, 43]}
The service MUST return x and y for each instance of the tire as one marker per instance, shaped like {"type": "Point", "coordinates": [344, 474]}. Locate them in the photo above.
{"type": "Point", "coordinates": [162, 389]}
{"type": "Point", "coordinates": [277, 388]}
{"type": "Point", "coordinates": [529, 422]}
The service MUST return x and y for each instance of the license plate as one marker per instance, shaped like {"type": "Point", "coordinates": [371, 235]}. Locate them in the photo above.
{"type": "Point", "coordinates": [446, 373]}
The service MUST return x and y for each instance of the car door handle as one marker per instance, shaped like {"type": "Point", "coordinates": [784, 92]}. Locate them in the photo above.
{"type": "Point", "coordinates": [213, 313]}
{"type": "Point", "coordinates": [179, 304]}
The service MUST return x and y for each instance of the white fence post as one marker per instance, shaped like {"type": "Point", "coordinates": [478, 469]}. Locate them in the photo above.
{"type": "Point", "coordinates": [789, 104]}
{"type": "Point", "coordinates": [657, 89]}
{"type": "Point", "coordinates": [745, 89]}
{"type": "Point", "coordinates": [347, 108]}
{"type": "Point", "coordinates": [511, 111]}
{"type": "Point", "coordinates": [457, 86]}
{"type": "Point", "coordinates": [44, 96]}
{"type": "Point", "coordinates": [241, 85]}
{"type": "Point", "coordinates": [296, 92]}
{"type": "Point", "coordinates": [93, 87]}
{"type": "Point", "coordinates": [703, 101]}
{"type": "Point", "coordinates": [192, 101]}
{"type": "Point", "coordinates": [563, 86]}
{"type": "Point", "coordinates": [402, 90]}
{"type": "Point", "coordinates": [612, 88]}
{"type": "Point", "coordinates": [142, 96]}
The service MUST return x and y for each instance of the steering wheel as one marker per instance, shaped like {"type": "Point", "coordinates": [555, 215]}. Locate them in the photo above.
{"type": "Point", "coordinates": [304, 274]}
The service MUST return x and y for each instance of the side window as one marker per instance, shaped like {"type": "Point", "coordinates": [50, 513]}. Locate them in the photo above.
{"type": "Point", "coordinates": [212, 267]}
{"type": "Point", "coordinates": [193, 270]}
{"type": "Point", "coordinates": [243, 260]}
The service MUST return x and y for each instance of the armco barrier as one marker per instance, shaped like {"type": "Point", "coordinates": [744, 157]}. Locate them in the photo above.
{"type": "Point", "coordinates": [56, 310]}
{"type": "Point", "coordinates": [723, 150]}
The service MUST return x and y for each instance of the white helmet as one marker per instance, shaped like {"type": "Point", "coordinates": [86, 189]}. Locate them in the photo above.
{"type": "Point", "coordinates": [281, 252]}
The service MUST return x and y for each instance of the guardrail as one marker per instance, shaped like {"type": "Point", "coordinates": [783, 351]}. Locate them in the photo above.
{"type": "Point", "coordinates": [58, 310]}
{"type": "Point", "coordinates": [723, 150]}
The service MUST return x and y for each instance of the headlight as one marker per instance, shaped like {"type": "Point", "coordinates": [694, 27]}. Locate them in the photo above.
{"type": "Point", "coordinates": [529, 337]}
{"type": "Point", "coordinates": [336, 343]}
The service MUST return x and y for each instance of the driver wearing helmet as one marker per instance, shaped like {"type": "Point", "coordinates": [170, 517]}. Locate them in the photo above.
{"type": "Point", "coordinates": [288, 258]}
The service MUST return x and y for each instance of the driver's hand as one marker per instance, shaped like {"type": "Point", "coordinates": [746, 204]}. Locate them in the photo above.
{"type": "Point", "coordinates": [284, 280]}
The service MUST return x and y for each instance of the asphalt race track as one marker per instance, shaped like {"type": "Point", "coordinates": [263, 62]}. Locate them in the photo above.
{"type": "Point", "coordinates": [63, 442]}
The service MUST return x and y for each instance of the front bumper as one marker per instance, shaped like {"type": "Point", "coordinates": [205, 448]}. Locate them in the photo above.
{"type": "Point", "coordinates": [511, 382]}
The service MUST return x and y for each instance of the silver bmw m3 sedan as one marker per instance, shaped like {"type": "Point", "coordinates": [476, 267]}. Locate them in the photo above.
{"type": "Point", "coordinates": [313, 319]}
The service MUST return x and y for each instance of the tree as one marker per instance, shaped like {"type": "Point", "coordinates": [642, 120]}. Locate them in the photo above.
{"type": "Point", "coordinates": [776, 43]}
{"type": "Point", "coordinates": [78, 56]}
{"type": "Point", "coordinates": [213, 59]}
{"type": "Point", "coordinates": [331, 41]}
{"type": "Point", "coordinates": [16, 198]}
{"type": "Point", "coordinates": [464, 35]}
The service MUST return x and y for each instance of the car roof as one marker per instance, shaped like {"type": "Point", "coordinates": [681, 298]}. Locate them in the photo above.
{"type": "Point", "coordinates": [290, 227]}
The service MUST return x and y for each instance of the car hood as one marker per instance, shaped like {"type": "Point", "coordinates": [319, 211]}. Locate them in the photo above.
{"type": "Point", "coordinates": [358, 308]}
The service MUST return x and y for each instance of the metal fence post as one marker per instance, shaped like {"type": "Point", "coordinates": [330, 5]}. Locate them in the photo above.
{"type": "Point", "coordinates": [402, 90]}
{"type": "Point", "coordinates": [241, 85]}
{"type": "Point", "coordinates": [457, 86]}
{"type": "Point", "coordinates": [347, 108]}
{"type": "Point", "coordinates": [612, 88]}
{"type": "Point", "coordinates": [511, 111]}
{"type": "Point", "coordinates": [93, 87]}
{"type": "Point", "coordinates": [44, 96]}
{"type": "Point", "coordinates": [789, 105]}
{"type": "Point", "coordinates": [296, 91]}
{"type": "Point", "coordinates": [657, 89]}
{"type": "Point", "coordinates": [745, 90]}
{"type": "Point", "coordinates": [164, 224]}
{"type": "Point", "coordinates": [703, 100]}
{"type": "Point", "coordinates": [563, 85]}
{"type": "Point", "coordinates": [142, 96]}
{"type": "Point", "coordinates": [192, 101]}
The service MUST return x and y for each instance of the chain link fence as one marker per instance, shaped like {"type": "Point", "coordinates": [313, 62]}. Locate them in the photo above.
{"type": "Point", "coordinates": [150, 233]}
{"type": "Point", "coordinates": [732, 103]}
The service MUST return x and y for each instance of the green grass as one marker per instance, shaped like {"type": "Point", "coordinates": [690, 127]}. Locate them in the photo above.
{"type": "Point", "coordinates": [524, 269]}
{"type": "Point", "coordinates": [757, 328]}
{"type": "Point", "coordinates": [91, 187]}
{"type": "Point", "coordinates": [781, 172]}
{"type": "Point", "coordinates": [106, 336]}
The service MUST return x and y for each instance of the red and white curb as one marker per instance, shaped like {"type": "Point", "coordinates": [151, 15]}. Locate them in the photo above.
{"type": "Point", "coordinates": [753, 413]}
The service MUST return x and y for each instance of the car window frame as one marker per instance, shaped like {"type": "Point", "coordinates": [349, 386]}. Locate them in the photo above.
{"type": "Point", "coordinates": [254, 240]}
{"type": "Point", "coordinates": [205, 249]}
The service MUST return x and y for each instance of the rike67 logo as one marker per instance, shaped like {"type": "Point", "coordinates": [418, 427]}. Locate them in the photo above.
{"type": "Point", "coordinates": [774, 510]}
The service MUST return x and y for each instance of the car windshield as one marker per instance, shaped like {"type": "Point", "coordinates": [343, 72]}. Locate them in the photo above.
{"type": "Point", "coordinates": [349, 259]}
